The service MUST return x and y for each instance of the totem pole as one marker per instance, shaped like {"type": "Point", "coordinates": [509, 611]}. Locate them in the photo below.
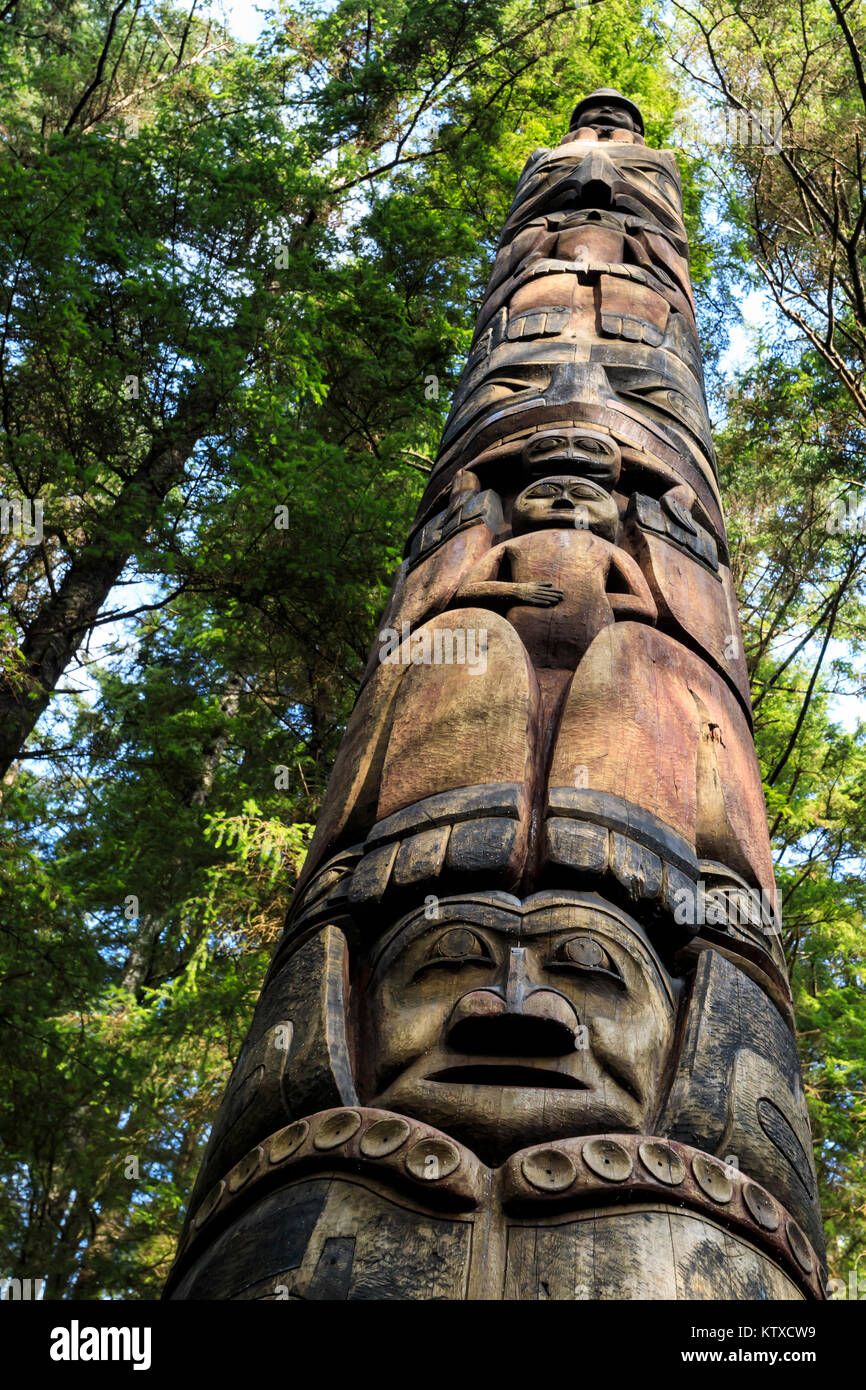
{"type": "Point", "coordinates": [528, 1032]}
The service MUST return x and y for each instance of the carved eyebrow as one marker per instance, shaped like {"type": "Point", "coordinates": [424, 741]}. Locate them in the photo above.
{"type": "Point", "coordinates": [645, 168]}
{"type": "Point", "coordinates": [464, 915]}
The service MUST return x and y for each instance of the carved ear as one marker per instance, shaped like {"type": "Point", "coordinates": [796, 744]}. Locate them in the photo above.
{"type": "Point", "coordinates": [697, 1107]}
{"type": "Point", "coordinates": [318, 1074]}
{"type": "Point", "coordinates": [737, 1093]}
{"type": "Point", "coordinates": [295, 1060]}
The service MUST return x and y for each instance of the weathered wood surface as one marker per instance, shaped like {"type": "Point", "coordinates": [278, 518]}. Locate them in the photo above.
{"type": "Point", "coordinates": [528, 1032]}
{"type": "Point", "coordinates": [418, 1217]}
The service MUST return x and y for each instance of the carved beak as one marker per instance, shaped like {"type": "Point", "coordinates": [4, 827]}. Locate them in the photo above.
{"type": "Point", "coordinates": [594, 180]}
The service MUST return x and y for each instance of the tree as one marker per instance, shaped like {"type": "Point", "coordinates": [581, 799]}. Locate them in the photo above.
{"type": "Point", "coordinates": [285, 256]}
{"type": "Point", "coordinates": [145, 285]}
{"type": "Point", "coordinates": [794, 80]}
{"type": "Point", "coordinates": [787, 90]}
{"type": "Point", "coordinates": [799, 568]}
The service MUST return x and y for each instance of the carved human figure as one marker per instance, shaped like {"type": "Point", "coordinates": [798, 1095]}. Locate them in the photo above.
{"type": "Point", "coordinates": [561, 578]}
{"type": "Point", "coordinates": [606, 110]}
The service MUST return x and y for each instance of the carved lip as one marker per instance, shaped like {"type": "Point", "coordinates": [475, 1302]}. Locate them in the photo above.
{"type": "Point", "coordinates": [509, 1074]}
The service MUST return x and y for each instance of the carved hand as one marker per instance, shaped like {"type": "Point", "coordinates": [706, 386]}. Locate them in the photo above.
{"type": "Point", "coordinates": [502, 592]}
{"type": "Point", "coordinates": [539, 592]}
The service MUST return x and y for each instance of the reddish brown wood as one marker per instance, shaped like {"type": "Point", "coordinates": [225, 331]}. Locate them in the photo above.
{"type": "Point", "coordinates": [528, 1031]}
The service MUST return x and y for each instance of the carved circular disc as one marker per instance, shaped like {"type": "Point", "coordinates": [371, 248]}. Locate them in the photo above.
{"type": "Point", "coordinates": [432, 1159]}
{"type": "Point", "coordinates": [799, 1245]}
{"type": "Point", "coordinates": [712, 1178]}
{"type": "Point", "coordinates": [459, 941]}
{"type": "Point", "coordinates": [608, 1159]}
{"type": "Point", "coordinates": [286, 1141]}
{"type": "Point", "coordinates": [662, 1161]}
{"type": "Point", "coordinates": [762, 1206]}
{"type": "Point", "coordinates": [549, 1170]}
{"type": "Point", "coordinates": [384, 1137]}
{"type": "Point", "coordinates": [583, 950]}
{"type": "Point", "coordinates": [210, 1204]}
{"type": "Point", "coordinates": [243, 1171]}
{"type": "Point", "coordinates": [337, 1129]}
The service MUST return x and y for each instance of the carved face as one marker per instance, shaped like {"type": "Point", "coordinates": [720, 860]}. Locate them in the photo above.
{"type": "Point", "coordinates": [505, 1027]}
{"type": "Point", "coordinates": [587, 452]}
{"type": "Point", "coordinates": [607, 115]}
{"type": "Point", "coordinates": [565, 501]}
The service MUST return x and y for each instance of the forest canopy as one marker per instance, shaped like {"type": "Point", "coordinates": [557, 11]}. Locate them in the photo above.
{"type": "Point", "coordinates": [239, 284]}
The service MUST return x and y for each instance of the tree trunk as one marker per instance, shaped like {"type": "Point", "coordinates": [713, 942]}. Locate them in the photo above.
{"type": "Point", "coordinates": [56, 633]}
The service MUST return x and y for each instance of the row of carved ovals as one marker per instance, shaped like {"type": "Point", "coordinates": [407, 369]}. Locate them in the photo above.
{"type": "Point", "coordinates": [429, 1158]}
{"type": "Point", "coordinates": [553, 1170]}
{"type": "Point", "coordinates": [376, 1136]}
{"type": "Point", "coordinates": [568, 1170]}
{"type": "Point", "coordinates": [571, 1164]}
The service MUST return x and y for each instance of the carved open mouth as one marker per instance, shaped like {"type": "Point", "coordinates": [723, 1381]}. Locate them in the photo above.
{"type": "Point", "coordinates": [509, 1075]}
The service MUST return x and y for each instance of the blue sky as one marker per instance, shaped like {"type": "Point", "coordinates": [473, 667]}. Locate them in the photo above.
{"type": "Point", "coordinates": [242, 16]}
{"type": "Point", "coordinates": [246, 19]}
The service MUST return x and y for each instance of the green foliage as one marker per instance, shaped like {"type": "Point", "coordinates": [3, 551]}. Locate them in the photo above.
{"type": "Point", "coordinates": [230, 275]}
{"type": "Point", "coordinates": [787, 455]}
{"type": "Point", "coordinates": [283, 246]}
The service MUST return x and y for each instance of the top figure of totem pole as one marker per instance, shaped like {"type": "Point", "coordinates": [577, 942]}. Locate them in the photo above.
{"type": "Point", "coordinates": [528, 1032]}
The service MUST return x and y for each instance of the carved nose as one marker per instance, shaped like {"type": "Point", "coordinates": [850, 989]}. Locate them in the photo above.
{"type": "Point", "coordinates": [594, 181]}
{"type": "Point", "coordinates": [483, 1025]}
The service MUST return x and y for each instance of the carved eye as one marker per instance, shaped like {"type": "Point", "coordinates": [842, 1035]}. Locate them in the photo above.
{"type": "Point", "coordinates": [590, 446]}
{"type": "Point", "coordinates": [460, 944]}
{"type": "Point", "coordinates": [659, 395]}
{"type": "Point", "coordinates": [672, 402]}
{"type": "Point", "coordinates": [544, 490]}
{"type": "Point", "coordinates": [546, 446]}
{"type": "Point", "coordinates": [499, 389]}
{"type": "Point", "coordinates": [585, 953]}
{"type": "Point", "coordinates": [683, 410]}
{"type": "Point", "coordinates": [584, 491]}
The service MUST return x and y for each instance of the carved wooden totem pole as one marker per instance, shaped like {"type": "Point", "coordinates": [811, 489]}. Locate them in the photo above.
{"type": "Point", "coordinates": [528, 1033]}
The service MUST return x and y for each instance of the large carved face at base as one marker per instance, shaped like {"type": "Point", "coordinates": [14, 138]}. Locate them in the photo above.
{"type": "Point", "coordinates": [506, 1024]}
